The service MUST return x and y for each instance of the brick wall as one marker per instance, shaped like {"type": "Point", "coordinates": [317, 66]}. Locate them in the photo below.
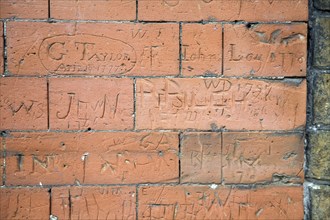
{"type": "Point", "coordinates": [162, 109]}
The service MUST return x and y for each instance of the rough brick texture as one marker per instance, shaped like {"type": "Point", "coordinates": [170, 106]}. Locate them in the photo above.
{"type": "Point", "coordinates": [163, 109]}
{"type": "Point", "coordinates": [93, 10]}
{"type": "Point", "coordinates": [197, 10]}
{"type": "Point", "coordinates": [23, 103]}
{"type": "Point", "coordinates": [93, 49]}
{"type": "Point", "coordinates": [28, 203]}
{"type": "Point", "coordinates": [220, 103]}
{"type": "Point", "coordinates": [201, 202]}
{"type": "Point", "coordinates": [24, 9]}
{"type": "Point", "coordinates": [101, 104]}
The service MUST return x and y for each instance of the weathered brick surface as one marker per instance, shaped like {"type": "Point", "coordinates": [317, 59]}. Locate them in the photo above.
{"type": "Point", "coordinates": [322, 4]}
{"type": "Point", "coordinates": [320, 202]}
{"type": "Point", "coordinates": [23, 103]}
{"type": "Point", "coordinates": [94, 202]}
{"type": "Point", "coordinates": [262, 157]}
{"type": "Point", "coordinates": [196, 10]}
{"type": "Point", "coordinates": [322, 42]}
{"type": "Point", "coordinates": [91, 158]}
{"type": "Point", "coordinates": [24, 9]}
{"type": "Point", "coordinates": [201, 157]}
{"type": "Point", "coordinates": [28, 203]}
{"type": "Point", "coordinates": [201, 49]}
{"type": "Point", "coordinates": [93, 49]}
{"type": "Point", "coordinates": [82, 103]}
{"type": "Point", "coordinates": [1, 49]}
{"type": "Point", "coordinates": [319, 155]}
{"type": "Point", "coordinates": [93, 10]}
{"type": "Point", "coordinates": [322, 100]}
{"type": "Point", "coordinates": [265, 49]}
{"type": "Point", "coordinates": [214, 103]}
{"type": "Point", "coordinates": [201, 202]}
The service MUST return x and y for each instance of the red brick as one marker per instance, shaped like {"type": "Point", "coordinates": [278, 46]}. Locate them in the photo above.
{"type": "Point", "coordinates": [93, 10]}
{"type": "Point", "coordinates": [201, 157]}
{"type": "Point", "coordinates": [261, 157]}
{"type": "Point", "coordinates": [91, 103]}
{"type": "Point", "coordinates": [2, 160]}
{"type": "Point", "coordinates": [265, 50]}
{"type": "Point", "coordinates": [24, 9]}
{"type": "Point", "coordinates": [91, 158]}
{"type": "Point", "coordinates": [196, 10]}
{"type": "Point", "coordinates": [215, 103]}
{"type": "Point", "coordinates": [201, 49]}
{"type": "Point", "coordinates": [202, 202]}
{"type": "Point", "coordinates": [38, 48]}
{"type": "Point", "coordinates": [23, 103]}
{"type": "Point", "coordinates": [1, 49]}
{"type": "Point", "coordinates": [28, 203]}
{"type": "Point", "coordinates": [94, 202]}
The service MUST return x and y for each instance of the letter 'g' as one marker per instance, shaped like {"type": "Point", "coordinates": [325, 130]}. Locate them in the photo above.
{"type": "Point", "coordinates": [56, 50]}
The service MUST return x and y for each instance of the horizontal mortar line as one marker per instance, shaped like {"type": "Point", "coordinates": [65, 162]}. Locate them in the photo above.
{"type": "Point", "coordinates": [315, 129]}
{"type": "Point", "coordinates": [322, 182]}
{"type": "Point", "coordinates": [7, 132]}
{"type": "Point", "coordinates": [157, 77]}
{"type": "Point", "coordinates": [234, 185]}
{"type": "Point", "coordinates": [133, 21]}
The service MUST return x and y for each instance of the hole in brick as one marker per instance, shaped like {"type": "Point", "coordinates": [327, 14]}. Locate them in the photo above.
{"type": "Point", "coordinates": [89, 129]}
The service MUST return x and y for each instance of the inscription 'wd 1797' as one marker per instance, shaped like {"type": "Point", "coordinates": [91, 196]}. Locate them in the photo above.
{"type": "Point", "coordinates": [85, 54]}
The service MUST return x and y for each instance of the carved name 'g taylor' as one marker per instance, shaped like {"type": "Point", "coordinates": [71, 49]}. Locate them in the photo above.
{"type": "Point", "coordinates": [86, 54]}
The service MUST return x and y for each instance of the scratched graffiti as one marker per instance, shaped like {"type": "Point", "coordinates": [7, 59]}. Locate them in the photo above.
{"type": "Point", "coordinates": [86, 54]}
{"type": "Point", "coordinates": [94, 203]}
{"type": "Point", "coordinates": [91, 159]}
{"type": "Point", "coordinates": [185, 202]}
{"type": "Point", "coordinates": [216, 103]}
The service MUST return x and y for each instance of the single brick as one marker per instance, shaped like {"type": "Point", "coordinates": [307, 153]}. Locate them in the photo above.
{"type": "Point", "coordinates": [233, 10]}
{"type": "Point", "coordinates": [322, 99]}
{"type": "Point", "coordinates": [93, 10]}
{"type": "Point", "coordinates": [215, 103]}
{"type": "Point", "coordinates": [202, 202]}
{"type": "Point", "coordinates": [38, 48]}
{"type": "Point", "coordinates": [201, 49]}
{"type": "Point", "coordinates": [322, 4]}
{"type": "Point", "coordinates": [322, 42]}
{"type": "Point", "coordinates": [23, 103]}
{"type": "Point", "coordinates": [24, 9]}
{"type": "Point", "coordinates": [262, 157]}
{"type": "Point", "coordinates": [201, 157]}
{"type": "Point", "coordinates": [94, 202]}
{"type": "Point", "coordinates": [91, 103]}
{"type": "Point", "coordinates": [319, 155]}
{"type": "Point", "coordinates": [1, 49]}
{"type": "Point", "coordinates": [91, 158]}
{"type": "Point", "coordinates": [320, 202]}
{"type": "Point", "coordinates": [24, 203]}
{"type": "Point", "coordinates": [265, 50]}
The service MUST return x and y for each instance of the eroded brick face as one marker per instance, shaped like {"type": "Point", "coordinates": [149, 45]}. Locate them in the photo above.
{"type": "Point", "coordinates": [24, 9]}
